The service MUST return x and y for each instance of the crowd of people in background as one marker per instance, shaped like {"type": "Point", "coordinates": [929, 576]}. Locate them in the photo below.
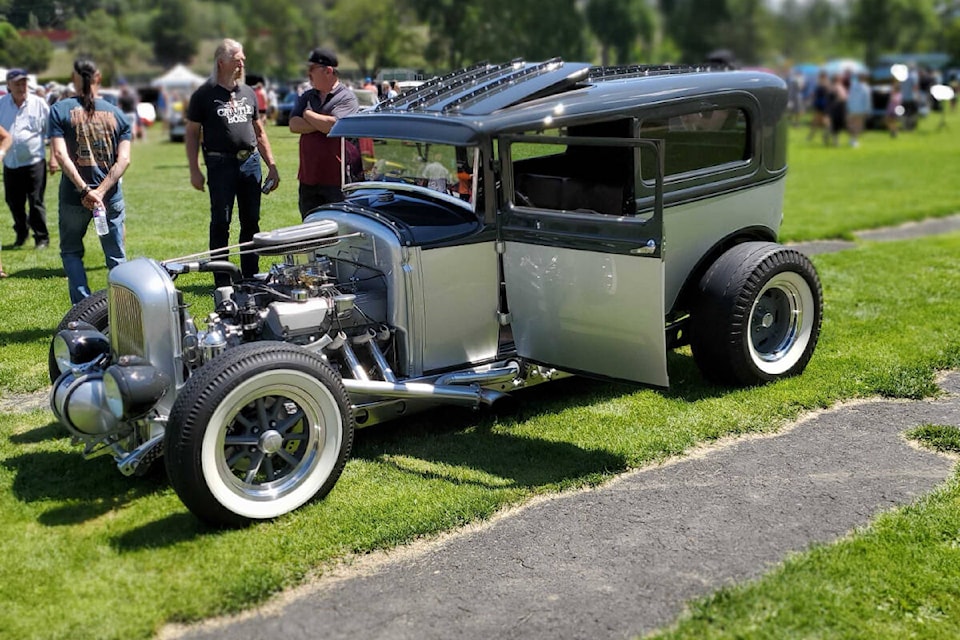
{"type": "Point", "coordinates": [845, 102]}
{"type": "Point", "coordinates": [89, 139]}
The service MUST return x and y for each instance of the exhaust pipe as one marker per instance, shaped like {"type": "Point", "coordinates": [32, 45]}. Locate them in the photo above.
{"type": "Point", "coordinates": [491, 376]}
{"type": "Point", "coordinates": [468, 396]}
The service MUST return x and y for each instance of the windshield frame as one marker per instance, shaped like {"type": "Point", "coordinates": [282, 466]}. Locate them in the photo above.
{"type": "Point", "coordinates": [417, 182]}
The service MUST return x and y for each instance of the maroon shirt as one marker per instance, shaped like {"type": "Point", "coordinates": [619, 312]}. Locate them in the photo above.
{"type": "Point", "coordinates": [320, 154]}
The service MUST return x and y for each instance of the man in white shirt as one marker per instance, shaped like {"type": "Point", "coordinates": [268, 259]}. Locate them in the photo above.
{"type": "Point", "coordinates": [25, 116]}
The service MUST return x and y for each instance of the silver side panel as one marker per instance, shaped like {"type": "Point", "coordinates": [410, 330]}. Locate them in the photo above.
{"type": "Point", "coordinates": [442, 302]}
{"type": "Point", "coordinates": [460, 305]}
{"type": "Point", "coordinates": [585, 311]}
{"type": "Point", "coordinates": [690, 230]}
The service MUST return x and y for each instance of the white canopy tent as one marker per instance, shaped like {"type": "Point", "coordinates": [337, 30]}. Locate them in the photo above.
{"type": "Point", "coordinates": [176, 85]}
{"type": "Point", "coordinates": [180, 78]}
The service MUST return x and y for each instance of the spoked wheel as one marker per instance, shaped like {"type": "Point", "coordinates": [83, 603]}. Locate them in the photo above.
{"type": "Point", "coordinates": [758, 314]}
{"type": "Point", "coordinates": [258, 432]}
{"type": "Point", "coordinates": [92, 309]}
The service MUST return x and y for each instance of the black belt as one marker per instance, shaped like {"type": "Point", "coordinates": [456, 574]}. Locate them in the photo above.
{"type": "Point", "coordinates": [239, 155]}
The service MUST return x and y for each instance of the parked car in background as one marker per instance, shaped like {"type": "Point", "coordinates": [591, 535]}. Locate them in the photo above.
{"type": "Point", "coordinates": [520, 223]}
{"type": "Point", "coordinates": [178, 124]}
{"type": "Point", "coordinates": [406, 85]}
{"type": "Point", "coordinates": [285, 107]}
{"type": "Point", "coordinates": [881, 84]}
{"type": "Point", "coordinates": [366, 98]}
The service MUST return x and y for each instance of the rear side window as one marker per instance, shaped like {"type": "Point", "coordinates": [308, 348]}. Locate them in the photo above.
{"type": "Point", "coordinates": [696, 141]}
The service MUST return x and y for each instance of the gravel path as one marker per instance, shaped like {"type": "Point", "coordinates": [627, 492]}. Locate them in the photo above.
{"type": "Point", "coordinates": [621, 560]}
{"type": "Point", "coordinates": [928, 227]}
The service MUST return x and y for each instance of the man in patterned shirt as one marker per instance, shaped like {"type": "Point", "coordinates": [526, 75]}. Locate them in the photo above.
{"type": "Point", "coordinates": [91, 140]}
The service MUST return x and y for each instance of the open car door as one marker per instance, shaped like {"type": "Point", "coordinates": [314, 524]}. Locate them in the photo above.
{"type": "Point", "coordinates": [583, 270]}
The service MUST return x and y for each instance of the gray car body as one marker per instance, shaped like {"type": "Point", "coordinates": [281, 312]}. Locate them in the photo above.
{"type": "Point", "coordinates": [703, 212]}
{"type": "Point", "coordinates": [601, 200]}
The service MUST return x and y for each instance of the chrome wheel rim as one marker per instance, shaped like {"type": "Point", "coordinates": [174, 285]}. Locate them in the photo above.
{"type": "Point", "coordinates": [781, 322]}
{"type": "Point", "coordinates": [271, 443]}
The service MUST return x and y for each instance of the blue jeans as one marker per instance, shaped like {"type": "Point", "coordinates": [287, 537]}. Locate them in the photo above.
{"type": "Point", "coordinates": [229, 180]}
{"type": "Point", "coordinates": [73, 223]}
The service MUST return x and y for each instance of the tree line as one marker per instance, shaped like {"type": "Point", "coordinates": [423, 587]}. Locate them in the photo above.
{"type": "Point", "coordinates": [439, 35]}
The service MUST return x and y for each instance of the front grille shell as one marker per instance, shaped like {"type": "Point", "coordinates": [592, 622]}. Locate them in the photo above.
{"type": "Point", "coordinates": [144, 316]}
{"type": "Point", "coordinates": [126, 321]}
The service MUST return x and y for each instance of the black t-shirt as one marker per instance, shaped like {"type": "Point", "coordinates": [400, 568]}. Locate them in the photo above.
{"type": "Point", "coordinates": [226, 117]}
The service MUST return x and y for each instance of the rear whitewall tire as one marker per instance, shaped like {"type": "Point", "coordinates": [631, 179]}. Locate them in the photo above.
{"type": "Point", "coordinates": [781, 323]}
{"type": "Point", "coordinates": [757, 315]}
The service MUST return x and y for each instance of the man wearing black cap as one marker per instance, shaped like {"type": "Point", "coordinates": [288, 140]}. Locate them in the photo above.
{"type": "Point", "coordinates": [312, 117]}
{"type": "Point", "coordinates": [25, 116]}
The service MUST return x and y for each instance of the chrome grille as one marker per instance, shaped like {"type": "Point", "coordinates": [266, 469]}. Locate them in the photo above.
{"type": "Point", "coordinates": [126, 322]}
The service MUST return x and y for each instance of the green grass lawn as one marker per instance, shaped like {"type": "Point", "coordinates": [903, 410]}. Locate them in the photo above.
{"type": "Point", "coordinates": [832, 191]}
{"type": "Point", "coordinates": [87, 553]}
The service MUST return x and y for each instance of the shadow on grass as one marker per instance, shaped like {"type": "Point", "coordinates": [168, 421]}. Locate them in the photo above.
{"type": "Point", "coordinates": [450, 444]}
{"type": "Point", "coordinates": [173, 529]}
{"type": "Point", "coordinates": [37, 273]}
{"type": "Point", "coordinates": [88, 488]}
{"type": "Point", "coordinates": [52, 431]}
{"type": "Point", "coordinates": [26, 335]}
{"type": "Point", "coordinates": [463, 438]}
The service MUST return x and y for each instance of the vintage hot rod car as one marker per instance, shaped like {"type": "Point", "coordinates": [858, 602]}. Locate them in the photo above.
{"type": "Point", "coordinates": [510, 224]}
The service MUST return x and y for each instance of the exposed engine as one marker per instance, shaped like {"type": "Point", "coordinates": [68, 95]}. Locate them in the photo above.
{"type": "Point", "coordinates": [115, 394]}
{"type": "Point", "coordinates": [310, 300]}
{"type": "Point", "coordinates": [325, 292]}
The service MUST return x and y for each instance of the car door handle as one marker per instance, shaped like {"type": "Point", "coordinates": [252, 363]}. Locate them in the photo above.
{"type": "Point", "coordinates": [646, 250]}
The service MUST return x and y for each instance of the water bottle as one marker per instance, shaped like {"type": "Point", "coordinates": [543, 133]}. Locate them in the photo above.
{"type": "Point", "coordinates": [100, 220]}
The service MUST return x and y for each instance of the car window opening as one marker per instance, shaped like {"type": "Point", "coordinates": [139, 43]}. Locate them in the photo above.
{"type": "Point", "coordinates": [577, 178]}
{"type": "Point", "coordinates": [696, 141]}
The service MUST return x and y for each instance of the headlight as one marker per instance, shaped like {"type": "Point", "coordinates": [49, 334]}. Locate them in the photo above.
{"type": "Point", "coordinates": [78, 404]}
{"type": "Point", "coordinates": [112, 395]}
{"type": "Point", "coordinates": [133, 386]}
{"type": "Point", "coordinates": [79, 344]}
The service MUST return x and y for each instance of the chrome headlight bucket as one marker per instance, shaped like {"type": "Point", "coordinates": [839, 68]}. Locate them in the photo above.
{"type": "Point", "coordinates": [78, 402]}
{"type": "Point", "coordinates": [133, 386]}
{"type": "Point", "coordinates": [81, 343]}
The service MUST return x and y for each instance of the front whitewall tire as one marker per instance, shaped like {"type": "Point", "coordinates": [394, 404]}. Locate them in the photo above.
{"type": "Point", "coordinates": [258, 432]}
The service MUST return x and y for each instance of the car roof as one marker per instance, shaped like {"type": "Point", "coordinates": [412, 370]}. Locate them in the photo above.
{"type": "Point", "coordinates": [486, 99]}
